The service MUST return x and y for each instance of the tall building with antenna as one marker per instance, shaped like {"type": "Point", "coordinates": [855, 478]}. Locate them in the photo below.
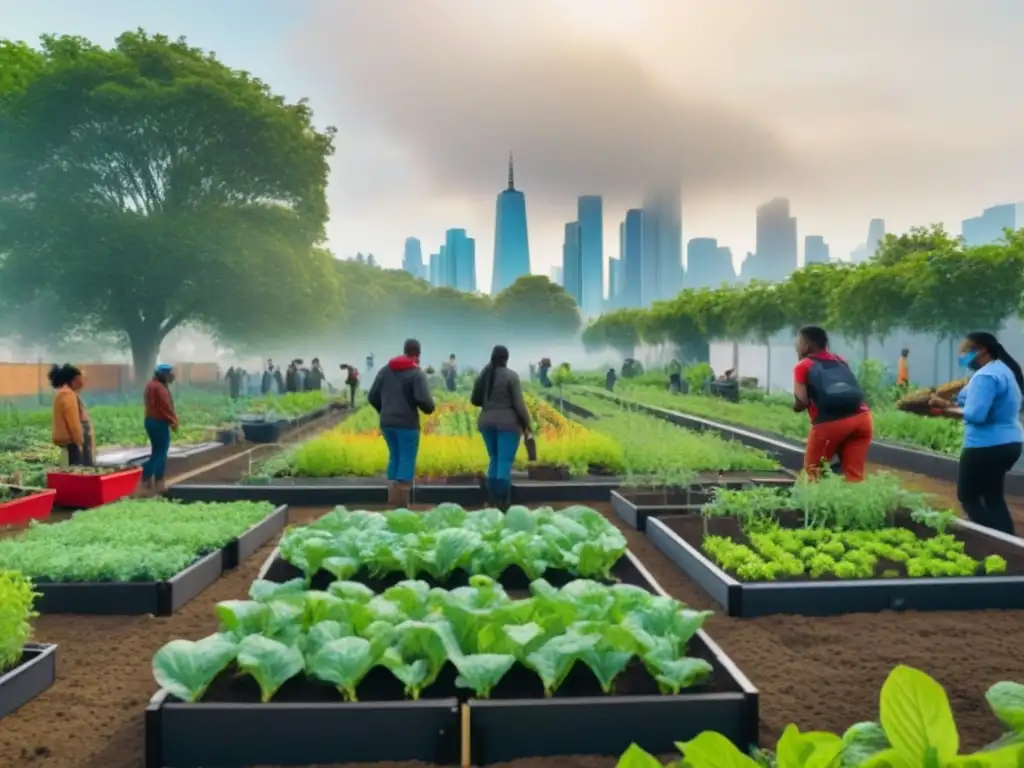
{"type": "Point", "coordinates": [511, 242]}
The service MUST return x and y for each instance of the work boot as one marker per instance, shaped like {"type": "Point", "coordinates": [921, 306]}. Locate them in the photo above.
{"type": "Point", "coordinates": [159, 487]}
{"type": "Point", "coordinates": [500, 490]}
{"type": "Point", "coordinates": [392, 494]}
{"type": "Point", "coordinates": [145, 489]}
{"type": "Point", "coordinates": [404, 495]}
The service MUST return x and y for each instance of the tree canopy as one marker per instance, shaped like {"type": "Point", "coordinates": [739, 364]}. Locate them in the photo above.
{"type": "Point", "coordinates": [148, 186]}
{"type": "Point", "coordinates": [923, 281]}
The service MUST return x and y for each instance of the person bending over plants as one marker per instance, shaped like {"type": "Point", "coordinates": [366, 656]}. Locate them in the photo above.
{"type": "Point", "coordinates": [825, 387]}
{"type": "Point", "coordinates": [399, 392]}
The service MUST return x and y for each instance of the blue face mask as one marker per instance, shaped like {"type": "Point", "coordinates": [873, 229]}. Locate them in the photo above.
{"type": "Point", "coordinates": [967, 359]}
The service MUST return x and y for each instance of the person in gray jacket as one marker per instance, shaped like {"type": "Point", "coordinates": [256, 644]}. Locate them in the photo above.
{"type": "Point", "coordinates": [503, 420]}
{"type": "Point", "coordinates": [399, 392]}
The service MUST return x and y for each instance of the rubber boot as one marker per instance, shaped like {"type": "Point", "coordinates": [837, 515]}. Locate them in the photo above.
{"type": "Point", "coordinates": [392, 494]}
{"type": "Point", "coordinates": [145, 489]}
{"type": "Point", "coordinates": [159, 487]}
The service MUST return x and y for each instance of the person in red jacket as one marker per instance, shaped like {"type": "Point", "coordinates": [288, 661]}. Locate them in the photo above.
{"type": "Point", "coordinates": [825, 387]}
{"type": "Point", "coordinates": [160, 421]}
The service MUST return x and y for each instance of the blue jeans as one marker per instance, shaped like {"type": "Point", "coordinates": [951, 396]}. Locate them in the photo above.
{"type": "Point", "coordinates": [403, 445]}
{"type": "Point", "coordinates": [502, 445]}
{"type": "Point", "coordinates": [160, 443]}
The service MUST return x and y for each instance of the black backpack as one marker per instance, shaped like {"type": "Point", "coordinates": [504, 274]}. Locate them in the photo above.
{"type": "Point", "coordinates": [834, 389]}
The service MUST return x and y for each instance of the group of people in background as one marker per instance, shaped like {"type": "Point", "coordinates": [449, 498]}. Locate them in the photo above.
{"type": "Point", "coordinates": [72, 429]}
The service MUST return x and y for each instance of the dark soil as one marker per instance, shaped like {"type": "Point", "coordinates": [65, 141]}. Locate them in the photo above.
{"type": "Point", "coordinates": [701, 491]}
{"type": "Point", "coordinates": [692, 530]}
{"type": "Point", "coordinates": [512, 579]}
{"type": "Point", "coordinates": [821, 673]}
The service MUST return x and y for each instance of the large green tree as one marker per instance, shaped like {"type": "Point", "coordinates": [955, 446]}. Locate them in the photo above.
{"type": "Point", "coordinates": [538, 309]}
{"type": "Point", "coordinates": [148, 186]}
{"type": "Point", "coordinates": [870, 302]}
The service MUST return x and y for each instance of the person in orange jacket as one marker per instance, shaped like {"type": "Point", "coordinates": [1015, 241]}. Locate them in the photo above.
{"type": "Point", "coordinates": [72, 430]}
{"type": "Point", "coordinates": [903, 370]}
{"type": "Point", "coordinates": [160, 421]}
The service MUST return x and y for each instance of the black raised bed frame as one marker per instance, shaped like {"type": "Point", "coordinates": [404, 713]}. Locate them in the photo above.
{"type": "Point", "coordinates": [160, 598]}
{"type": "Point", "coordinates": [180, 735]}
{"type": "Point", "coordinates": [32, 676]}
{"type": "Point", "coordinates": [831, 598]}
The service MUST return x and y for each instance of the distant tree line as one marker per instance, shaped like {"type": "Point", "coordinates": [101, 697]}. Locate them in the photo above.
{"type": "Point", "coordinates": [924, 281]}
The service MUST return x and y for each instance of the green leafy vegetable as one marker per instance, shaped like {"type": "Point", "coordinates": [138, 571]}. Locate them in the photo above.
{"type": "Point", "coordinates": [448, 538]}
{"type": "Point", "coordinates": [16, 601]}
{"type": "Point", "coordinates": [186, 668]}
{"type": "Point", "coordinates": [270, 662]}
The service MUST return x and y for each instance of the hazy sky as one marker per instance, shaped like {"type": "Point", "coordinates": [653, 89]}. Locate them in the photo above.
{"type": "Point", "coordinates": [905, 109]}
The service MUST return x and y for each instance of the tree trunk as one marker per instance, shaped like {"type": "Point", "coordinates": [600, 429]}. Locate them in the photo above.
{"type": "Point", "coordinates": [935, 363]}
{"type": "Point", "coordinates": [145, 346]}
{"type": "Point", "coordinates": [736, 358]}
{"type": "Point", "coordinates": [866, 341]}
{"type": "Point", "coordinates": [952, 375]}
{"type": "Point", "coordinates": [768, 372]}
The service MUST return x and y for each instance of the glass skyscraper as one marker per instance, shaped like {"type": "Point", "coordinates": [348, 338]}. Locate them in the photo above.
{"type": "Point", "coordinates": [459, 261]}
{"type": "Point", "coordinates": [662, 267]}
{"type": "Point", "coordinates": [572, 271]}
{"type": "Point", "coordinates": [589, 209]}
{"type": "Point", "coordinates": [412, 259]}
{"type": "Point", "coordinates": [631, 235]}
{"type": "Point", "coordinates": [511, 242]}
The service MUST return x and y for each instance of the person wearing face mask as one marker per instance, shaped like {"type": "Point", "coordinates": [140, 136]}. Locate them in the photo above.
{"type": "Point", "coordinates": [990, 407]}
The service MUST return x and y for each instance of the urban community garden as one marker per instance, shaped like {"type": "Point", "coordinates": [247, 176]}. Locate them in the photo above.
{"type": "Point", "coordinates": [662, 589]}
{"type": "Point", "coordinates": [656, 593]}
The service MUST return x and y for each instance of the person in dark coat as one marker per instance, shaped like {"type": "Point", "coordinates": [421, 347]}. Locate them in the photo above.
{"type": "Point", "coordinates": [609, 379]}
{"type": "Point", "coordinates": [399, 393]}
{"type": "Point", "coordinates": [315, 379]}
{"type": "Point", "coordinates": [279, 380]}
{"type": "Point", "coordinates": [542, 372]}
{"type": "Point", "coordinates": [450, 372]}
{"type": "Point", "coordinates": [351, 382]}
{"type": "Point", "coordinates": [291, 377]}
{"type": "Point", "coordinates": [267, 382]}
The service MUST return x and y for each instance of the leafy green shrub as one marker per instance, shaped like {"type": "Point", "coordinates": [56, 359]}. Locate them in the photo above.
{"type": "Point", "coordinates": [339, 635]}
{"type": "Point", "coordinates": [631, 368]}
{"type": "Point", "coordinates": [696, 376]}
{"type": "Point", "coordinates": [16, 600]}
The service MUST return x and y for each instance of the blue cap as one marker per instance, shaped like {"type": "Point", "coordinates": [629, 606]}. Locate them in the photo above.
{"type": "Point", "coordinates": [164, 368]}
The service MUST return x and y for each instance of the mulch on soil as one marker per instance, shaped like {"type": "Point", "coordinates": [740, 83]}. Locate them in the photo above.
{"type": "Point", "coordinates": [821, 673]}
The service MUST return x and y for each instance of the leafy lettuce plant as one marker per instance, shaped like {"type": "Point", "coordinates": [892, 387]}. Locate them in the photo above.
{"type": "Point", "coordinates": [916, 730]}
{"type": "Point", "coordinates": [448, 538]}
{"type": "Point", "coordinates": [340, 634]}
{"type": "Point", "coordinates": [16, 601]}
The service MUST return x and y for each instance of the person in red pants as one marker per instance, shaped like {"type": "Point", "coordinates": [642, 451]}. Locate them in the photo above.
{"type": "Point", "coordinates": [825, 387]}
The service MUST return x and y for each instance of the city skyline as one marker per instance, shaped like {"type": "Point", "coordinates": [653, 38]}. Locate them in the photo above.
{"type": "Point", "coordinates": [919, 131]}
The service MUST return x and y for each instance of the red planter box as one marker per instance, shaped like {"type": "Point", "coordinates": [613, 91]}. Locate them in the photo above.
{"type": "Point", "coordinates": [38, 506]}
{"type": "Point", "coordinates": [86, 491]}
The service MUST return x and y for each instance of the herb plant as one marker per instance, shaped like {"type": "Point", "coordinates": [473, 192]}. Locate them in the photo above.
{"type": "Point", "coordinates": [915, 728]}
{"type": "Point", "coordinates": [337, 636]}
{"type": "Point", "coordinates": [16, 600]}
{"type": "Point", "coordinates": [132, 540]}
{"type": "Point", "coordinates": [448, 538]}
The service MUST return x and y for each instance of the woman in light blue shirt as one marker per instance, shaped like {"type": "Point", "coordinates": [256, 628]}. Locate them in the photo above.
{"type": "Point", "coordinates": [990, 406]}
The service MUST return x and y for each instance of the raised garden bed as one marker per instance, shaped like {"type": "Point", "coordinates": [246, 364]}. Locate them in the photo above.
{"type": "Point", "coordinates": [635, 504]}
{"type": "Point", "coordinates": [19, 506]}
{"type": "Point", "coordinates": [159, 597]}
{"type": "Point", "coordinates": [92, 487]}
{"type": "Point", "coordinates": [328, 492]}
{"type": "Point", "coordinates": [681, 539]}
{"type": "Point", "coordinates": [29, 677]}
{"type": "Point", "coordinates": [305, 720]}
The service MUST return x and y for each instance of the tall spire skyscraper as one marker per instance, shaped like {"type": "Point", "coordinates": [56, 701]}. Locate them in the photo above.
{"type": "Point", "coordinates": [511, 242]}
